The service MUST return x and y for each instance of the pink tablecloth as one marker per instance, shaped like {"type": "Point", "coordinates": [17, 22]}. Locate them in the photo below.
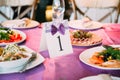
{"type": "Point", "coordinates": [67, 67]}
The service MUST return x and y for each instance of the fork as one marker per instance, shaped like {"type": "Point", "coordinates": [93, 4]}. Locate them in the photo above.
{"type": "Point", "coordinates": [33, 57]}
{"type": "Point", "coordinates": [1, 25]}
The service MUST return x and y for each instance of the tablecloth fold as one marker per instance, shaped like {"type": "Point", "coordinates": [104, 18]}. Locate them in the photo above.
{"type": "Point", "coordinates": [113, 31]}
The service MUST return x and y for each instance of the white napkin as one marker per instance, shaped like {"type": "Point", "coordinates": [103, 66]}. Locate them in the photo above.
{"type": "Point", "coordinates": [98, 77]}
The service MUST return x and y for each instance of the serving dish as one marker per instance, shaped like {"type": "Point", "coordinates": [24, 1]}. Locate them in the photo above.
{"type": "Point", "coordinates": [17, 66]}
{"type": "Point", "coordinates": [87, 54]}
{"type": "Point", "coordinates": [20, 24]}
{"type": "Point", "coordinates": [82, 25]}
{"type": "Point", "coordinates": [81, 38]}
{"type": "Point", "coordinates": [9, 36]}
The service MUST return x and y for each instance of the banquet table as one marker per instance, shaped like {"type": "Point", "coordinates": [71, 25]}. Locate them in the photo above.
{"type": "Point", "coordinates": [68, 67]}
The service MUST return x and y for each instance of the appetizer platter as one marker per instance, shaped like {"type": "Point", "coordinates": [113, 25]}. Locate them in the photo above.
{"type": "Point", "coordinates": [20, 24]}
{"type": "Point", "coordinates": [102, 57]}
{"type": "Point", "coordinates": [8, 36]}
{"type": "Point", "coordinates": [84, 39]}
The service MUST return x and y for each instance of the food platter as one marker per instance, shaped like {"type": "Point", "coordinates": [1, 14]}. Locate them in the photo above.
{"type": "Point", "coordinates": [84, 40]}
{"type": "Point", "coordinates": [87, 54]}
{"type": "Point", "coordinates": [79, 24]}
{"type": "Point", "coordinates": [17, 32]}
{"type": "Point", "coordinates": [20, 24]}
{"type": "Point", "coordinates": [39, 59]}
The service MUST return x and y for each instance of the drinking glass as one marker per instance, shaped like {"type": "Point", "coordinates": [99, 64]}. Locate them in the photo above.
{"type": "Point", "coordinates": [58, 9]}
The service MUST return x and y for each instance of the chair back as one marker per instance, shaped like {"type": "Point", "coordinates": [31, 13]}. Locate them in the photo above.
{"type": "Point", "coordinates": [16, 2]}
{"type": "Point", "coordinates": [77, 6]}
{"type": "Point", "coordinates": [97, 3]}
{"type": "Point", "coordinates": [19, 3]}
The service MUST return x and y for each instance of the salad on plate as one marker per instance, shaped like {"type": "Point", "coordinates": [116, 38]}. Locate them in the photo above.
{"type": "Point", "coordinates": [8, 35]}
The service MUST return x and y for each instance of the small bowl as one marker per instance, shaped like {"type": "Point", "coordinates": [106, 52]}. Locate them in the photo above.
{"type": "Point", "coordinates": [14, 65]}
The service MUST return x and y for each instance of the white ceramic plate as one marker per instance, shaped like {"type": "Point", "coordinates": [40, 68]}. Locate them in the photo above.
{"type": "Point", "coordinates": [86, 46]}
{"type": "Point", "coordinates": [78, 24]}
{"type": "Point", "coordinates": [20, 24]}
{"type": "Point", "coordinates": [87, 54]}
{"type": "Point", "coordinates": [115, 78]}
{"type": "Point", "coordinates": [21, 33]}
{"type": "Point", "coordinates": [96, 77]}
{"type": "Point", "coordinates": [94, 41]}
{"type": "Point", "coordinates": [39, 59]}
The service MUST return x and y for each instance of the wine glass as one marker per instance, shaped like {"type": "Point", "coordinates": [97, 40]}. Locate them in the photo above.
{"type": "Point", "coordinates": [58, 9]}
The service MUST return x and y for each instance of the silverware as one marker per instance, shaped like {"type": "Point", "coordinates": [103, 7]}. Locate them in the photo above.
{"type": "Point", "coordinates": [33, 57]}
{"type": "Point", "coordinates": [1, 25]}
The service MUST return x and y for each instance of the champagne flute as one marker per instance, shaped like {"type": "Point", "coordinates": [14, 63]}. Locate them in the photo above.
{"type": "Point", "coordinates": [58, 9]}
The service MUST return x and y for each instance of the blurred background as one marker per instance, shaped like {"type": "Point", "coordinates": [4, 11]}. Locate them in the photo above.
{"type": "Point", "coordinates": [41, 10]}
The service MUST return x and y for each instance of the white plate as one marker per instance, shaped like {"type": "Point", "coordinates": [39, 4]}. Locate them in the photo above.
{"type": "Point", "coordinates": [21, 33]}
{"type": "Point", "coordinates": [14, 24]}
{"type": "Point", "coordinates": [39, 59]}
{"type": "Point", "coordinates": [87, 54]}
{"type": "Point", "coordinates": [101, 78]}
{"type": "Point", "coordinates": [115, 78]}
{"type": "Point", "coordinates": [85, 44]}
{"type": "Point", "coordinates": [91, 25]}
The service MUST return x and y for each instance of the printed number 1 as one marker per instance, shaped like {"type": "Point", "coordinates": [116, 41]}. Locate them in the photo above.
{"type": "Point", "coordinates": [61, 49]}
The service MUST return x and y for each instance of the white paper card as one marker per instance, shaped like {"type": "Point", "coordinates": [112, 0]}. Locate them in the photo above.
{"type": "Point", "coordinates": [43, 43]}
{"type": "Point", "coordinates": [58, 44]}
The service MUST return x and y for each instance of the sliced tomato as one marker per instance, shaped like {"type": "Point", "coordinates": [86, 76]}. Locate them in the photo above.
{"type": "Point", "coordinates": [15, 37]}
{"type": "Point", "coordinates": [19, 37]}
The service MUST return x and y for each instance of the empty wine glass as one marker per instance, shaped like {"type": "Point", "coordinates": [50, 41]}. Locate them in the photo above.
{"type": "Point", "coordinates": [58, 9]}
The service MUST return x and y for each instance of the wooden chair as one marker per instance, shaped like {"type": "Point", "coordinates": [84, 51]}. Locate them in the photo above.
{"type": "Point", "coordinates": [19, 3]}
{"type": "Point", "coordinates": [114, 5]}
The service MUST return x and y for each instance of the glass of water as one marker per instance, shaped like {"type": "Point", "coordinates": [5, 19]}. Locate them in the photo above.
{"type": "Point", "coordinates": [58, 9]}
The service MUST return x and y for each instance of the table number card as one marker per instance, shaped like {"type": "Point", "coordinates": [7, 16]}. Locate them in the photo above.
{"type": "Point", "coordinates": [56, 38]}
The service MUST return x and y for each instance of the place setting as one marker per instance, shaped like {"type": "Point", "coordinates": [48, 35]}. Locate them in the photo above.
{"type": "Point", "coordinates": [85, 24]}
{"type": "Point", "coordinates": [18, 59]}
{"type": "Point", "coordinates": [24, 23]}
{"type": "Point", "coordinates": [9, 36]}
{"type": "Point", "coordinates": [102, 60]}
{"type": "Point", "coordinates": [104, 57]}
{"type": "Point", "coordinates": [84, 39]}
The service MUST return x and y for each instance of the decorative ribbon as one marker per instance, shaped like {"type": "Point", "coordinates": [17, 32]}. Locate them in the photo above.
{"type": "Point", "coordinates": [54, 29]}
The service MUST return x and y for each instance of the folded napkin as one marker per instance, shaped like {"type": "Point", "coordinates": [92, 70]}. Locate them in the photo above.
{"type": "Point", "coordinates": [98, 77]}
{"type": "Point", "coordinates": [113, 31]}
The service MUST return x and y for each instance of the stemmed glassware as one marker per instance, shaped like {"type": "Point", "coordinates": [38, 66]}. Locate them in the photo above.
{"type": "Point", "coordinates": [58, 9]}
